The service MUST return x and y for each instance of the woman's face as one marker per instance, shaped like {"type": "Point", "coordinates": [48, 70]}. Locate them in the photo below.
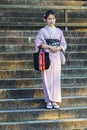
{"type": "Point", "coordinates": [51, 20]}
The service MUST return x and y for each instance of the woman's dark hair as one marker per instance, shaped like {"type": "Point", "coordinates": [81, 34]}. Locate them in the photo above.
{"type": "Point", "coordinates": [48, 13]}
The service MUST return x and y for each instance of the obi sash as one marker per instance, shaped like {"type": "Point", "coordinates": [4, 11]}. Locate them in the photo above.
{"type": "Point", "coordinates": [53, 42]}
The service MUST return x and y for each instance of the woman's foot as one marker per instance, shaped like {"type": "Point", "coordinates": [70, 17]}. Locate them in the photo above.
{"type": "Point", "coordinates": [49, 105]}
{"type": "Point", "coordinates": [55, 105]}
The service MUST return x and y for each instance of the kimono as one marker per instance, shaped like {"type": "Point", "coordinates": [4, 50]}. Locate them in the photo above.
{"type": "Point", "coordinates": [51, 77]}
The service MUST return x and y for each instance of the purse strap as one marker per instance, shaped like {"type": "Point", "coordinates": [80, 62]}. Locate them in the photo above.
{"type": "Point", "coordinates": [41, 59]}
{"type": "Point", "coordinates": [40, 48]}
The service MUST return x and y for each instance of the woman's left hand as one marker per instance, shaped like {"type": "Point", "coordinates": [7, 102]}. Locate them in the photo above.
{"type": "Point", "coordinates": [58, 48]}
{"type": "Point", "coordinates": [54, 49]}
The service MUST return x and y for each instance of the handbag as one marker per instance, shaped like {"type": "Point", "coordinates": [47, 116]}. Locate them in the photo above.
{"type": "Point", "coordinates": [41, 60]}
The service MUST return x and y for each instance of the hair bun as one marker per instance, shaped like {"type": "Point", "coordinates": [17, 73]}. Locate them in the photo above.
{"type": "Point", "coordinates": [48, 13]}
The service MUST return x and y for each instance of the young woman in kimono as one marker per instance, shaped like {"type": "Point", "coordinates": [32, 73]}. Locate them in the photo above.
{"type": "Point", "coordinates": [52, 77]}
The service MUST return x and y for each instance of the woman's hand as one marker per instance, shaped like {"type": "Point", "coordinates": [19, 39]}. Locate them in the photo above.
{"type": "Point", "coordinates": [54, 49]}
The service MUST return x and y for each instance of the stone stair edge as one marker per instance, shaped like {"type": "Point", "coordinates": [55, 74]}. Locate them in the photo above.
{"type": "Point", "coordinates": [3, 6]}
{"type": "Point", "coordinates": [40, 99]}
{"type": "Point", "coordinates": [14, 104]}
{"type": "Point", "coordinates": [17, 69]}
{"type": "Point", "coordinates": [32, 37]}
{"type": "Point", "coordinates": [14, 72]}
{"type": "Point", "coordinates": [44, 109]}
{"type": "Point", "coordinates": [26, 79]}
{"type": "Point", "coordinates": [18, 79]}
{"type": "Point", "coordinates": [46, 121]}
{"type": "Point", "coordinates": [58, 123]}
{"type": "Point", "coordinates": [39, 87]}
{"type": "Point", "coordinates": [29, 18]}
{"type": "Point", "coordinates": [27, 33]}
{"type": "Point", "coordinates": [9, 61]}
{"type": "Point", "coordinates": [46, 1]}
{"type": "Point", "coordinates": [18, 82]}
{"type": "Point", "coordinates": [39, 25]}
{"type": "Point", "coordinates": [32, 69]}
{"type": "Point", "coordinates": [31, 61]}
{"type": "Point", "coordinates": [43, 0]}
{"type": "Point", "coordinates": [61, 3]}
{"type": "Point", "coordinates": [33, 31]}
{"type": "Point", "coordinates": [60, 113]}
{"type": "Point", "coordinates": [31, 53]}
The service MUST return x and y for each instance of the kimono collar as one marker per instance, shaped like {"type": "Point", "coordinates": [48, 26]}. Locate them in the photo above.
{"type": "Point", "coordinates": [50, 28]}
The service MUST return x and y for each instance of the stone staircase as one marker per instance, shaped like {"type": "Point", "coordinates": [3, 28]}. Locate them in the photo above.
{"type": "Point", "coordinates": [22, 104]}
{"type": "Point", "coordinates": [28, 14]}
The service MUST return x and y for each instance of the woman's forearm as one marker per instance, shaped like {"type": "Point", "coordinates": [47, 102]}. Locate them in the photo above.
{"type": "Point", "coordinates": [45, 46]}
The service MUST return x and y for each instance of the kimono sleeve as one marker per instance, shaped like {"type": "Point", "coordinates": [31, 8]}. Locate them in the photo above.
{"type": "Point", "coordinates": [63, 43]}
{"type": "Point", "coordinates": [39, 39]}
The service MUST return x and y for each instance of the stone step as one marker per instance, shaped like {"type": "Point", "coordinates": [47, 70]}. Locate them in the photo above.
{"type": "Point", "coordinates": [73, 101]}
{"type": "Point", "coordinates": [16, 56]}
{"type": "Point", "coordinates": [27, 19]}
{"type": "Point", "coordinates": [76, 47]}
{"type": "Point", "coordinates": [29, 56]}
{"type": "Point", "coordinates": [40, 8]}
{"type": "Point", "coordinates": [31, 73]}
{"type": "Point", "coordinates": [78, 55]}
{"type": "Point", "coordinates": [27, 16]}
{"type": "Point", "coordinates": [26, 73]}
{"type": "Point", "coordinates": [20, 48]}
{"type": "Point", "coordinates": [37, 0]}
{"type": "Point", "coordinates": [63, 124]}
{"type": "Point", "coordinates": [34, 25]}
{"type": "Point", "coordinates": [43, 114]}
{"type": "Point", "coordinates": [28, 64]}
{"type": "Point", "coordinates": [14, 10]}
{"type": "Point", "coordinates": [30, 40]}
{"type": "Point", "coordinates": [17, 64]}
{"type": "Point", "coordinates": [74, 62]}
{"type": "Point", "coordinates": [38, 103]}
{"type": "Point", "coordinates": [33, 33]}
{"type": "Point", "coordinates": [15, 40]}
{"type": "Point", "coordinates": [46, 2]}
{"type": "Point", "coordinates": [20, 83]}
{"type": "Point", "coordinates": [60, 124]}
{"type": "Point", "coordinates": [17, 48]}
{"type": "Point", "coordinates": [74, 72]}
{"type": "Point", "coordinates": [76, 40]}
{"type": "Point", "coordinates": [34, 82]}
{"type": "Point", "coordinates": [38, 92]}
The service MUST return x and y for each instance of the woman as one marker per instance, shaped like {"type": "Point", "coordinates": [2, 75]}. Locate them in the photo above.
{"type": "Point", "coordinates": [52, 76]}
